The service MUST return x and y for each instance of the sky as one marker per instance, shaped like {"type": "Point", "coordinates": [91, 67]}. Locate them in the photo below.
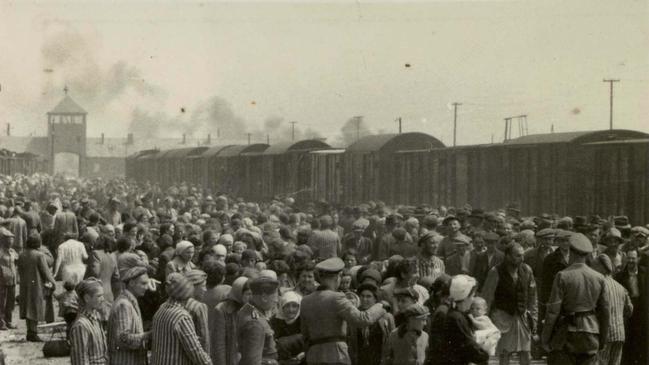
{"type": "Point", "coordinates": [160, 69]}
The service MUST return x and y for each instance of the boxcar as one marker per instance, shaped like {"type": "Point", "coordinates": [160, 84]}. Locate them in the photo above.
{"type": "Point", "coordinates": [202, 172]}
{"type": "Point", "coordinates": [371, 166]}
{"type": "Point", "coordinates": [326, 175]}
{"type": "Point", "coordinates": [286, 169]}
{"type": "Point", "coordinates": [239, 168]}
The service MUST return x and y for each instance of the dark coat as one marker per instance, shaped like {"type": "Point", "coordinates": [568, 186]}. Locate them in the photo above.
{"type": "Point", "coordinates": [34, 273]}
{"type": "Point", "coordinates": [458, 345]}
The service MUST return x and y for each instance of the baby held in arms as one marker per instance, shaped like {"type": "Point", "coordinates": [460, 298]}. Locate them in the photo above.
{"type": "Point", "coordinates": [486, 333]}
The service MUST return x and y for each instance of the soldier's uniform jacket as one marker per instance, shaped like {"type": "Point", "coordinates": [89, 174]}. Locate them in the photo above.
{"type": "Point", "coordinates": [255, 337]}
{"type": "Point", "coordinates": [577, 313]}
{"type": "Point", "coordinates": [325, 314]}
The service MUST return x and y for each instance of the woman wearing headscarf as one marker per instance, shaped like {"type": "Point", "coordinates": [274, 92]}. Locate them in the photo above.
{"type": "Point", "coordinates": [458, 342]}
{"type": "Point", "coordinates": [223, 348]}
{"type": "Point", "coordinates": [182, 261]}
{"type": "Point", "coordinates": [87, 339]}
{"type": "Point", "coordinates": [366, 343]}
{"type": "Point", "coordinates": [286, 325]}
{"type": "Point", "coordinates": [32, 268]}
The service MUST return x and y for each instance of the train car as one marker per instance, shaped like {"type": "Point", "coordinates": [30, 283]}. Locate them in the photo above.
{"type": "Point", "coordinates": [134, 167]}
{"type": "Point", "coordinates": [326, 175]}
{"type": "Point", "coordinates": [286, 169]}
{"type": "Point", "coordinates": [611, 177]}
{"type": "Point", "coordinates": [205, 166]}
{"type": "Point", "coordinates": [238, 168]}
{"type": "Point", "coordinates": [537, 173]}
{"type": "Point", "coordinates": [177, 165]}
{"type": "Point", "coordinates": [370, 165]}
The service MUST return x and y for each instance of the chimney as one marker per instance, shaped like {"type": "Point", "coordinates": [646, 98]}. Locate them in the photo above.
{"type": "Point", "coordinates": [129, 138]}
{"type": "Point", "coordinates": [209, 138]}
{"type": "Point", "coordinates": [102, 138]}
{"type": "Point", "coordinates": [8, 129]}
{"type": "Point", "coordinates": [184, 138]}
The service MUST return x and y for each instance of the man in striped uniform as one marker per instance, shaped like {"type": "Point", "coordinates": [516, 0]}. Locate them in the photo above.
{"type": "Point", "coordinates": [620, 308]}
{"type": "Point", "coordinates": [87, 339]}
{"type": "Point", "coordinates": [127, 341]}
{"type": "Point", "coordinates": [174, 340]}
{"type": "Point", "coordinates": [198, 309]}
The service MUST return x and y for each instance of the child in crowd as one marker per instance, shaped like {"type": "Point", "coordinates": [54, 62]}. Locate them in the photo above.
{"type": "Point", "coordinates": [407, 337]}
{"type": "Point", "coordinates": [486, 333]}
{"type": "Point", "coordinates": [68, 305]}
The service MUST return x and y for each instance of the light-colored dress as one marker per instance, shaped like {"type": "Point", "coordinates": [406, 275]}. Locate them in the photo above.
{"type": "Point", "coordinates": [69, 262]}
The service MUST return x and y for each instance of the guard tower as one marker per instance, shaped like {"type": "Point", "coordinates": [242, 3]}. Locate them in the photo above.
{"type": "Point", "coordinates": [66, 131]}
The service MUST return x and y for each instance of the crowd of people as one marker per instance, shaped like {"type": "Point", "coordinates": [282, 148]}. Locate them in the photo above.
{"type": "Point", "coordinates": [186, 276]}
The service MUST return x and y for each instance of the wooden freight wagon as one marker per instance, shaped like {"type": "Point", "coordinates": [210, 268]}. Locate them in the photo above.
{"type": "Point", "coordinates": [286, 169]}
{"type": "Point", "coordinates": [202, 166]}
{"type": "Point", "coordinates": [177, 165]}
{"type": "Point", "coordinates": [549, 173]}
{"type": "Point", "coordinates": [612, 177]}
{"type": "Point", "coordinates": [326, 175]}
{"type": "Point", "coordinates": [371, 165]}
{"type": "Point", "coordinates": [243, 165]}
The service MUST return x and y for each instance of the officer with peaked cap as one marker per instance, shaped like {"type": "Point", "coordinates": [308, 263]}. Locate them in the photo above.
{"type": "Point", "coordinates": [326, 313]}
{"type": "Point", "coordinates": [577, 314]}
{"type": "Point", "coordinates": [255, 336]}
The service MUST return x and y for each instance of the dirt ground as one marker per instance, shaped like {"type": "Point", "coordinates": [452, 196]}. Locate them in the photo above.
{"type": "Point", "coordinates": [17, 351]}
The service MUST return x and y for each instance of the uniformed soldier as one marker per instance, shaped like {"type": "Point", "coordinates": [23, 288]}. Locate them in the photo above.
{"type": "Point", "coordinates": [577, 313]}
{"type": "Point", "coordinates": [325, 314]}
{"type": "Point", "coordinates": [255, 336]}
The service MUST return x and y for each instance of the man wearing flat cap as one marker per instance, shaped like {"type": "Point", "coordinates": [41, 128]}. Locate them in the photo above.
{"type": "Point", "coordinates": [255, 335]}
{"type": "Point", "coordinates": [127, 341]}
{"type": "Point", "coordinates": [326, 314]}
{"type": "Point", "coordinates": [577, 314]}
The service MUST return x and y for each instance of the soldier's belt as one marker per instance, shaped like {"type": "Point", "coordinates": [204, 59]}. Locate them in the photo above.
{"type": "Point", "coordinates": [329, 339]}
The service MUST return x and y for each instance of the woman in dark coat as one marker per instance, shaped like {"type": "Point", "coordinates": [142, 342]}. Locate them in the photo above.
{"type": "Point", "coordinates": [35, 277]}
{"type": "Point", "coordinates": [286, 325]}
{"type": "Point", "coordinates": [458, 345]}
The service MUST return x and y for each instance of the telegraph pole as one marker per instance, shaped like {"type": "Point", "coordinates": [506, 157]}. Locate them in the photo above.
{"type": "Point", "coordinates": [611, 81]}
{"type": "Point", "coordinates": [399, 120]}
{"type": "Point", "coordinates": [455, 105]}
{"type": "Point", "coordinates": [293, 131]}
{"type": "Point", "coordinates": [358, 120]}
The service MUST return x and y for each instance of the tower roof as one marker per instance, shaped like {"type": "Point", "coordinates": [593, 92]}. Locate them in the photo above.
{"type": "Point", "coordinates": [67, 106]}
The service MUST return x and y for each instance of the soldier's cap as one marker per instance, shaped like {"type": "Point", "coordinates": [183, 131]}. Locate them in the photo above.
{"type": "Point", "coordinates": [406, 292]}
{"type": "Point", "coordinates": [547, 233]}
{"type": "Point", "coordinates": [639, 230]}
{"type": "Point", "coordinates": [84, 201]}
{"type": "Point", "coordinates": [580, 243]}
{"type": "Point", "coordinates": [332, 266]}
{"type": "Point", "coordinates": [263, 285]}
{"type": "Point", "coordinates": [416, 311]}
{"type": "Point", "coordinates": [491, 237]}
{"type": "Point", "coordinates": [5, 233]}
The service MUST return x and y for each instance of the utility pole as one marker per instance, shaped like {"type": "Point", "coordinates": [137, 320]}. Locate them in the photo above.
{"type": "Point", "coordinates": [507, 122]}
{"type": "Point", "coordinates": [249, 134]}
{"type": "Point", "coordinates": [293, 131]}
{"type": "Point", "coordinates": [455, 105]}
{"type": "Point", "coordinates": [358, 119]}
{"type": "Point", "coordinates": [611, 81]}
{"type": "Point", "coordinates": [399, 120]}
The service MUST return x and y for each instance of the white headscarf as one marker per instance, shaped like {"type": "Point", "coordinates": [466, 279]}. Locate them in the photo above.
{"type": "Point", "coordinates": [289, 297]}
